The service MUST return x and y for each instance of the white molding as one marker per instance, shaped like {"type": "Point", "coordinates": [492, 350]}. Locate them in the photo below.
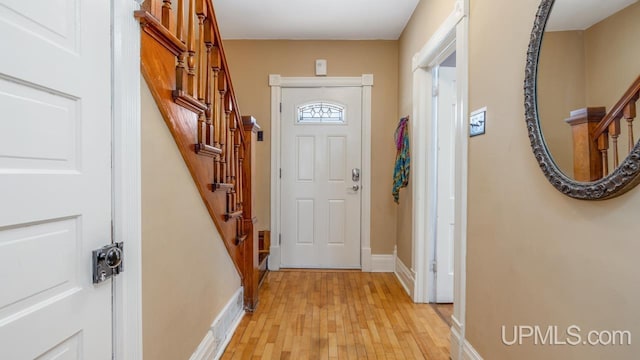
{"type": "Point", "coordinates": [460, 236]}
{"type": "Point", "coordinates": [365, 259]}
{"type": "Point", "coordinates": [384, 262]}
{"type": "Point", "coordinates": [421, 137]}
{"type": "Point", "coordinates": [406, 276]}
{"type": "Point", "coordinates": [455, 29]}
{"type": "Point", "coordinates": [445, 34]}
{"type": "Point", "coordinates": [219, 335]}
{"type": "Point", "coordinates": [275, 258]}
{"type": "Point", "coordinates": [126, 190]}
{"type": "Point", "coordinates": [277, 82]}
{"type": "Point", "coordinates": [464, 349]}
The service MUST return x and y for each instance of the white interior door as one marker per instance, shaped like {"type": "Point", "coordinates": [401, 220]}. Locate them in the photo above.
{"type": "Point", "coordinates": [320, 195]}
{"type": "Point", "coordinates": [445, 223]}
{"type": "Point", "coordinates": [55, 178]}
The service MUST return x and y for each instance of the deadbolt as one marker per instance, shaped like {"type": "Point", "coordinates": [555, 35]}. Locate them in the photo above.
{"type": "Point", "coordinates": [355, 174]}
{"type": "Point", "coordinates": [107, 262]}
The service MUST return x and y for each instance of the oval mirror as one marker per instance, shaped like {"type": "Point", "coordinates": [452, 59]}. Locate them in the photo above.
{"type": "Point", "coordinates": [582, 84]}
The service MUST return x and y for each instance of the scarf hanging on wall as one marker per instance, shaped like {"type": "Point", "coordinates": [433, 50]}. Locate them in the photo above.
{"type": "Point", "coordinates": [402, 168]}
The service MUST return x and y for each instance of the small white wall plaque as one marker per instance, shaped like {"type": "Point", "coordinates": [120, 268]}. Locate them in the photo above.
{"type": "Point", "coordinates": [477, 122]}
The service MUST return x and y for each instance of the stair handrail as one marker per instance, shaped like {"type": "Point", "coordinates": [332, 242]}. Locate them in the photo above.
{"type": "Point", "coordinates": [631, 95]}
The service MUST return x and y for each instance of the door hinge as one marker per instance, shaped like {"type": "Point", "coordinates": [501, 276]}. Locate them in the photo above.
{"type": "Point", "coordinates": [280, 173]}
{"type": "Point", "coordinates": [279, 239]}
{"type": "Point", "coordinates": [280, 107]}
{"type": "Point", "coordinates": [107, 262]}
{"type": "Point", "coordinates": [434, 266]}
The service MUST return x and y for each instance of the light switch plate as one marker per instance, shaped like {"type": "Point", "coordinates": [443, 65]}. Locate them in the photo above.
{"type": "Point", "coordinates": [321, 67]}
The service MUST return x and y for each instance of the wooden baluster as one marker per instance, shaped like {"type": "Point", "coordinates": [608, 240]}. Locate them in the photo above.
{"type": "Point", "coordinates": [181, 73]}
{"type": "Point", "coordinates": [629, 114]}
{"type": "Point", "coordinates": [200, 54]}
{"type": "Point", "coordinates": [222, 90]}
{"type": "Point", "coordinates": [154, 7]}
{"type": "Point", "coordinates": [603, 146]}
{"type": "Point", "coordinates": [201, 127]}
{"type": "Point", "coordinates": [232, 157]}
{"type": "Point", "coordinates": [208, 97]}
{"type": "Point", "coordinates": [191, 49]}
{"type": "Point", "coordinates": [226, 134]}
{"type": "Point", "coordinates": [240, 157]}
{"type": "Point", "coordinates": [214, 66]}
{"type": "Point", "coordinates": [167, 15]}
{"type": "Point", "coordinates": [614, 131]}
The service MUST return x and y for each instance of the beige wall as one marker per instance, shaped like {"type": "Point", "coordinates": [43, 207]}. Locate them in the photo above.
{"type": "Point", "coordinates": [252, 61]}
{"type": "Point", "coordinates": [612, 52]}
{"type": "Point", "coordinates": [187, 275]}
{"type": "Point", "coordinates": [426, 19]}
{"type": "Point", "coordinates": [535, 256]}
{"type": "Point", "coordinates": [561, 89]}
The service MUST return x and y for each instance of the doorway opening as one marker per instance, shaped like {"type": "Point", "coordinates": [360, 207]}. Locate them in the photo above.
{"type": "Point", "coordinates": [306, 126]}
{"type": "Point", "coordinates": [439, 171]}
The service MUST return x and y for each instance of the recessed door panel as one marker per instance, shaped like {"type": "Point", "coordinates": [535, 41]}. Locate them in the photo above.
{"type": "Point", "coordinates": [320, 219]}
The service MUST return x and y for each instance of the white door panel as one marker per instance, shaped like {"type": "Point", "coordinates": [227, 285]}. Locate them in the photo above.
{"type": "Point", "coordinates": [446, 183]}
{"type": "Point", "coordinates": [320, 209]}
{"type": "Point", "coordinates": [55, 178]}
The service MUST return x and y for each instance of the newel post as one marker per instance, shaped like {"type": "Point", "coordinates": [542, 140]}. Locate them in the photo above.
{"type": "Point", "coordinates": [587, 159]}
{"type": "Point", "coordinates": [251, 249]}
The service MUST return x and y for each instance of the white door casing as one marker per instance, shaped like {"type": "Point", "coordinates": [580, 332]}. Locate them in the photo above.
{"type": "Point", "coordinates": [454, 31]}
{"type": "Point", "coordinates": [320, 198]}
{"type": "Point", "coordinates": [55, 178]}
{"type": "Point", "coordinates": [446, 99]}
{"type": "Point", "coordinates": [277, 84]}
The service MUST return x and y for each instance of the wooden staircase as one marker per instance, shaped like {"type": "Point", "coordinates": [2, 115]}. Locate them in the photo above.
{"type": "Point", "coordinates": [596, 132]}
{"type": "Point", "coordinates": [183, 62]}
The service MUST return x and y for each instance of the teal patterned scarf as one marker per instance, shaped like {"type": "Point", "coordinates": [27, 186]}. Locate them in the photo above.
{"type": "Point", "coordinates": [403, 158]}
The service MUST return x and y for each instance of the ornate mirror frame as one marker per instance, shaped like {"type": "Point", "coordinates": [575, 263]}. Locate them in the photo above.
{"type": "Point", "coordinates": [619, 181]}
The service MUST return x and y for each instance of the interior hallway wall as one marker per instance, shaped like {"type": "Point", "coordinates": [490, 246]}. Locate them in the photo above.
{"type": "Point", "coordinates": [187, 274]}
{"type": "Point", "coordinates": [534, 255]}
{"type": "Point", "coordinates": [426, 19]}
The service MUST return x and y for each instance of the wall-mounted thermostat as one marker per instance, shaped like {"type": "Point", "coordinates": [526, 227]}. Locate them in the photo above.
{"type": "Point", "coordinates": [321, 67]}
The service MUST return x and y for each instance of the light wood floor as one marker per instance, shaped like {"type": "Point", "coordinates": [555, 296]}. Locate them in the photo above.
{"type": "Point", "coordinates": [338, 315]}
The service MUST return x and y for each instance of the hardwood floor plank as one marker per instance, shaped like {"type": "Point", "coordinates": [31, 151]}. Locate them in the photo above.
{"type": "Point", "coordinates": [338, 315]}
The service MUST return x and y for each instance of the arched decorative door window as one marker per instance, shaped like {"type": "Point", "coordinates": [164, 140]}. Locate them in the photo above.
{"type": "Point", "coordinates": [321, 112]}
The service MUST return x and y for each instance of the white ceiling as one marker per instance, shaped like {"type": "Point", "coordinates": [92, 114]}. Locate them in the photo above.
{"type": "Point", "coordinates": [582, 14]}
{"type": "Point", "coordinates": [313, 19]}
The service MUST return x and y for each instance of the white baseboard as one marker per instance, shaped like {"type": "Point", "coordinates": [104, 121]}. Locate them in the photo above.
{"type": "Point", "coordinates": [406, 276]}
{"type": "Point", "coordinates": [273, 261]}
{"type": "Point", "coordinates": [468, 352]}
{"type": "Point", "coordinates": [365, 259]}
{"type": "Point", "coordinates": [383, 263]}
{"type": "Point", "coordinates": [222, 329]}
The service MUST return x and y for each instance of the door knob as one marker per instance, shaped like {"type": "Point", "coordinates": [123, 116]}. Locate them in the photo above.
{"type": "Point", "coordinates": [355, 187]}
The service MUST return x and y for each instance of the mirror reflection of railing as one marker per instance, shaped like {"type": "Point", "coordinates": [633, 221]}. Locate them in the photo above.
{"type": "Point", "coordinates": [595, 132]}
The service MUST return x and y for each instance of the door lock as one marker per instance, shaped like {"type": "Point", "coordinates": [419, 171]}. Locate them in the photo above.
{"type": "Point", "coordinates": [107, 262]}
{"type": "Point", "coordinates": [355, 174]}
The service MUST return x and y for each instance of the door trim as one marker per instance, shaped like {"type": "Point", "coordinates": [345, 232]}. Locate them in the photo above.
{"type": "Point", "coordinates": [455, 29]}
{"type": "Point", "coordinates": [126, 178]}
{"type": "Point", "coordinates": [277, 82]}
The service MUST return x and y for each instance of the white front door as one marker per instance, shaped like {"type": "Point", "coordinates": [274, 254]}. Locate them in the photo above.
{"type": "Point", "coordinates": [55, 178]}
{"type": "Point", "coordinates": [445, 223]}
{"type": "Point", "coordinates": [321, 162]}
